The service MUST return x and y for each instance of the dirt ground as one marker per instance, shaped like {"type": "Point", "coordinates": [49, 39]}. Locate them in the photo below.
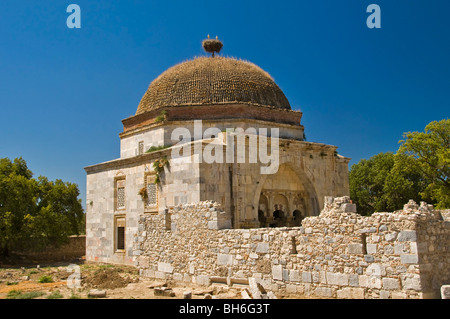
{"type": "Point", "coordinates": [49, 281]}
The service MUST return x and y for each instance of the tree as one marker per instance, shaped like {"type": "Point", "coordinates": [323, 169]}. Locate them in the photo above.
{"type": "Point", "coordinates": [428, 153]}
{"type": "Point", "coordinates": [419, 171]}
{"type": "Point", "coordinates": [367, 179]}
{"type": "Point", "coordinates": [35, 213]}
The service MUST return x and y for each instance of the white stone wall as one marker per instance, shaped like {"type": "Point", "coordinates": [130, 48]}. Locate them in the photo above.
{"type": "Point", "coordinates": [129, 145]}
{"type": "Point", "coordinates": [338, 254]}
{"type": "Point", "coordinates": [162, 135]}
{"type": "Point", "coordinates": [180, 185]}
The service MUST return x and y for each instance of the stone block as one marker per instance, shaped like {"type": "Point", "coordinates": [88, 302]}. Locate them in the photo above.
{"type": "Point", "coordinates": [253, 256]}
{"type": "Point", "coordinates": [306, 276]}
{"type": "Point", "coordinates": [294, 275]}
{"type": "Point", "coordinates": [285, 275]}
{"type": "Point", "coordinates": [245, 294]}
{"type": "Point", "coordinates": [291, 289]}
{"type": "Point", "coordinates": [160, 275]}
{"type": "Point", "coordinates": [355, 249]}
{"type": "Point", "coordinates": [165, 267]}
{"type": "Point", "coordinates": [376, 270]}
{"type": "Point", "coordinates": [391, 284]}
{"type": "Point", "coordinates": [262, 248]}
{"type": "Point", "coordinates": [277, 272]}
{"type": "Point", "coordinates": [349, 208]}
{"type": "Point", "coordinates": [338, 279]}
{"type": "Point", "coordinates": [371, 248]}
{"type": "Point", "coordinates": [445, 292]}
{"type": "Point", "coordinates": [407, 235]}
{"type": "Point", "coordinates": [324, 292]}
{"type": "Point", "coordinates": [375, 282]}
{"type": "Point", "coordinates": [257, 291]}
{"type": "Point", "coordinates": [187, 278]}
{"type": "Point", "coordinates": [164, 291]}
{"type": "Point", "coordinates": [363, 281]}
{"type": "Point", "coordinates": [390, 236]}
{"type": "Point", "coordinates": [224, 259]}
{"type": "Point", "coordinates": [398, 295]}
{"type": "Point", "coordinates": [409, 258]}
{"type": "Point", "coordinates": [178, 277]}
{"type": "Point", "coordinates": [96, 293]}
{"type": "Point", "coordinates": [412, 283]}
{"type": "Point", "coordinates": [187, 295]}
{"type": "Point", "coordinates": [384, 294]}
{"type": "Point", "coordinates": [350, 293]}
{"type": "Point", "coordinates": [203, 280]}
{"type": "Point", "coordinates": [353, 280]}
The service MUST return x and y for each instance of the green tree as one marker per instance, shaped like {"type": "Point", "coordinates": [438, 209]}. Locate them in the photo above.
{"type": "Point", "coordinates": [428, 153]}
{"type": "Point", "coordinates": [35, 213]}
{"type": "Point", "coordinates": [367, 180]}
{"type": "Point", "coordinates": [418, 171]}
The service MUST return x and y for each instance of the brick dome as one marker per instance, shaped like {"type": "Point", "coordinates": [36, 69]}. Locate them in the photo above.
{"type": "Point", "coordinates": [213, 81]}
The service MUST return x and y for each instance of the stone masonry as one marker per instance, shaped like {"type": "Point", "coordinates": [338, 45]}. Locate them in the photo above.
{"type": "Point", "coordinates": [338, 254]}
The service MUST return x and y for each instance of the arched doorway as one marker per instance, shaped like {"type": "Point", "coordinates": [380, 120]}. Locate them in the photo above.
{"type": "Point", "coordinates": [289, 197]}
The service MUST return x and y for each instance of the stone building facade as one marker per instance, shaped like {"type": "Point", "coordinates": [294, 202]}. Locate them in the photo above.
{"type": "Point", "coordinates": [338, 254]}
{"type": "Point", "coordinates": [237, 106]}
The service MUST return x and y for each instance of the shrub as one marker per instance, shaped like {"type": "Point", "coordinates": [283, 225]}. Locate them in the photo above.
{"type": "Point", "coordinates": [18, 294]}
{"type": "Point", "coordinates": [45, 279]}
{"type": "Point", "coordinates": [55, 295]}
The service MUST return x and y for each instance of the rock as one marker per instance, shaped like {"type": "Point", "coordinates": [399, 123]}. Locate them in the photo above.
{"type": "Point", "coordinates": [207, 296]}
{"type": "Point", "coordinates": [164, 291]}
{"type": "Point", "coordinates": [271, 295]}
{"type": "Point", "coordinates": [445, 292]}
{"type": "Point", "coordinates": [254, 288]}
{"type": "Point", "coordinates": [245, 294]}
{"type": "Point", "coordinates": [96, 293]}
{"type": "Point", "coordinates": [187, 295]}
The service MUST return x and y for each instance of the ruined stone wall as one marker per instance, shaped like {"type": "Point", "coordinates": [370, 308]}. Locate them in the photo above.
{"type": "Point", "coordinates": [339, 254]}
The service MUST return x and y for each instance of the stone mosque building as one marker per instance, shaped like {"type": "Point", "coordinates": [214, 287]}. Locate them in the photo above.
{"type": "Point", "coordinates": [203, 95]}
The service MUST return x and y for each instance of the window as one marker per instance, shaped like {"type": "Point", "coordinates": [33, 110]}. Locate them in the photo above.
{"type": "Point", "coordinates": [120, 233]}
{"type": "Point", "coordinates": [120, 194]}
{"type": "Point", "coordinates": [141, 148]}
{"type": "Point", "coordinates": [152, 191]}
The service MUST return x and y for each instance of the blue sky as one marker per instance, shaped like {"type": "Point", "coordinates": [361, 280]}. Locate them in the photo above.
{"type": "Point", "coordinates": [64, 92]}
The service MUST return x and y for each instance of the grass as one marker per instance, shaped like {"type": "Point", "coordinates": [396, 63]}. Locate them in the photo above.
{"type": "Point", "coordinates": [12, 283]}
{"type": "Point", "coordinates": [157, 148]}
{"type": "Point", "coordinates": [45, 279]}
{"type": "Point", "coordinates": [18, 294]}
{"type": "Point", "coordinates": [162, 117]}
{"type": "Point", "coordinates": [55, 295]}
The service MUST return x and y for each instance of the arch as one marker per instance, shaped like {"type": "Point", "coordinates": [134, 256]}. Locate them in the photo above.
{"type": "Point", "coordinates": [309, 204]}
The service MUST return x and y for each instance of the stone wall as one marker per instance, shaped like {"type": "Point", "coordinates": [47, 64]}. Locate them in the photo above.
{"type": "Point", "coordinates": [75, 248]}
{"type": "Point", "coordinates": [339, 254]}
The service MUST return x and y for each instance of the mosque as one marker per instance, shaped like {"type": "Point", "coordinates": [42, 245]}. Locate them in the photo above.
{"type": "Point", "coordinates": [170, 154]}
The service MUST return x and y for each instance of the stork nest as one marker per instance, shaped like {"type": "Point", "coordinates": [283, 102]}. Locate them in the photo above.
{"type": "Point", "coordinates": [212, 45]}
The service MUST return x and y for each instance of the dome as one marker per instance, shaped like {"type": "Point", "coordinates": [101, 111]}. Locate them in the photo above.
{"type": "Point", "coordinates": [213, 81]}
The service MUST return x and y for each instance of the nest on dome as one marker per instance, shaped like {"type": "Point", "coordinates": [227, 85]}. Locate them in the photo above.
{"type": "Point", "coordinates": [212, 45]}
